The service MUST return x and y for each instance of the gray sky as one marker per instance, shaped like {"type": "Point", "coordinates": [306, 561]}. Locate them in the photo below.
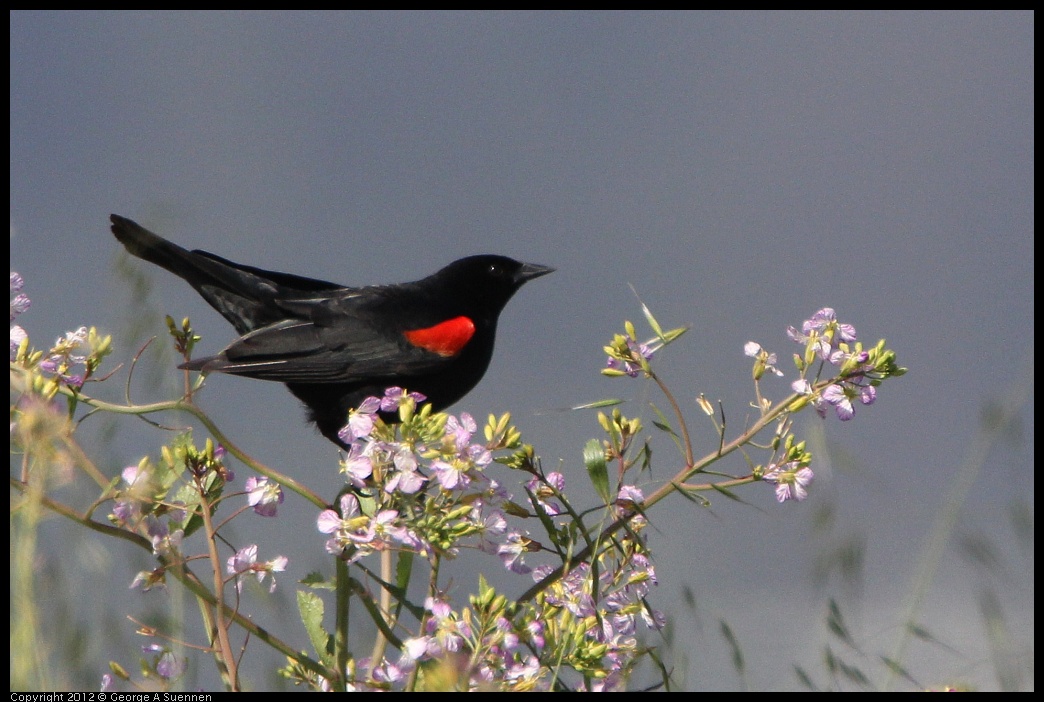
{"type": "Point", "coordinates": [739, 170]}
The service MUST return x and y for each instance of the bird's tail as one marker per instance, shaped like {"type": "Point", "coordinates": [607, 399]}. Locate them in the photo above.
{"type": "Point", "coordinates": [245, 296]}
{"type": "Point", "coordinates": [142, 243]}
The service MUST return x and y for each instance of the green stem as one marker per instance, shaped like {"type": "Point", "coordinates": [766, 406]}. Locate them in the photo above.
{"type": "Point", "coordinates": [184, 575]}
{"type": "Point", "coordinates": [189, 408]}
{"type": "Point", "coordinates": [676, 483]}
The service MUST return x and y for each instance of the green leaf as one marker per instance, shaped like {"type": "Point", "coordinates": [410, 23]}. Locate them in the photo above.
{"type": "Point", "coordinates": [609, 402]}
{"type": "Point", "coordinates": [652, 321]}
{"type": "Point", "coordinates": [853, 673]}
{"type": "Point", "coordinates": [597, 470]}
{"type": "Point", "coordinates": [673, 334]}
{"type": "Point", "coordinates": [403, 569]}
{"type": "Point", "coordinates": [311, 608]}
{"type": "Point", "coordinates": [805, 678]}
{"type": "Point", "coordinates": [545, 521]}
{"type": "Point", "coordinates": [734, 646]}
{"type": "Point", "coordinates": [727, 493]}
{"type": "Point", "coordinates": [663, 424]}
{"type": "Point", "coordinates": [836, 623]}
{"type": "Point", "coordinates": [898, 669]}
{"type": "Point", "coordinates": [374, 611]}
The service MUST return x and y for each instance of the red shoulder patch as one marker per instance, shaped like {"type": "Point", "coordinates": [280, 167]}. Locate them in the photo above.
{"type": "Point", "coordinates": [445, 338]}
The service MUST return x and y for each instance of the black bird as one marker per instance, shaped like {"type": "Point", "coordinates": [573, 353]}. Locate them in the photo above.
{"type": "Point", "coordinates": [332, 345]}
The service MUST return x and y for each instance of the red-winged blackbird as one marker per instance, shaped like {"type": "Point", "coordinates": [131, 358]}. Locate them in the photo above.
{"type": "Point", "coordinates": [333, 345]}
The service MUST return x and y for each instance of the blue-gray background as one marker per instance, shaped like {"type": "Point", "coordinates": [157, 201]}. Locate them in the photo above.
{"type": "Point", "coordinates": [739, 170]}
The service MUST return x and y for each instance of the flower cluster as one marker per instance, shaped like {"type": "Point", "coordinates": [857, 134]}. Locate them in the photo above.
{"type": "Point", "coordinates": [858, 373]}
{"type": "Point", "coordinates": [161, 664]}
{"type": "Point", "coordinates": [423, 489]}
{"type": "Point", "coordinates": [163, 502]}
{"type": "Point", "coordinates": [628, 357]}
{"type": "Point", "coordinates": [19, 304]}
{"type": "Point", "coordinates": [585, 621]}
{"type": "Point", "coordinates": [822, 335]}
{"type": "Point", "coordinates": [859, 370]}
{"type": "Point", "coordinates": [600, 610]}
{"type": "Point", "coordinates": [71, 360]}
{"type": "Point", "coordinates": [68, 352]}
{"type": "Point", "coordinates": [421, 486]}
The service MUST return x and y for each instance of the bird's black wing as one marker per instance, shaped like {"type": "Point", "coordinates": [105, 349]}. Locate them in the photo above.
{"type": "Point", "coordinates": [337, 350]}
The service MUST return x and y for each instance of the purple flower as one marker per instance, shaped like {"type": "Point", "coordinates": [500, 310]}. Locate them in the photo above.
{"type": "Point", "coordinates": [491, 525]}
{"type": "Point", "coordinates": [245, 561]}
{"type": "Point", "coordinates": [479, 455]}
{"type": "Point", "coordinates": [166, 663]}
{"type": "Point", "coordinates": [461, 430]}
{"type": "Point", "coordinates": [20, 302]}
{"type": "Point", "coordinates": [126, 512]}
{"type": "Point", "coordinates": [573, 592]}
{"type": "Point", "coordinates": [450, 475]}
{"type": "Point", "coordinates": [765, 361]}
{"type": "Point", "coordinates": [387, 672]}
{"type": "Point", "coordinates": [132, 474]}
{"type": "Point", "coordinates": [791, 481]}
{"type": "Point", "coordinates": [527, 671]}
{"type": "Point", "coordinates": [455, 474]}
{"type": "Point", "coordinates": [164, 542]}
{"type": "Point", "coordinates": [340, 525]}
{"type": "Point", "coordinates": [446, 630]}
{"type": "Point", "coordinates": [148, 579]}
{"type": "Point", "coordinates": [825, 321]}
{"type": "Point", "coordinates": [544, 491]}
{"type": "Point", "coordinates": [853, 359]}
{"type": "Point", "coordinates": [360, 420]}
{"type": "Point", "coordinates": [628, 499]}
{"type": "Point", "coordinates": [535, 629]}
{"type": "Point", "coordinates": [402, 456]}
{"type": "Point", "coordinates": [407, 481]}
{"type": "Point", "coordinates": [396, 397]}
{"type": "Point", "coordinates": [264, 496]}
{"type": "Point", "coordinates": [642, 574]}
{"type": "Point", "coordinates": [68, 351]}
{"type": "Point", "coordinates": [168, 666]}
{"type": "Point", "coordinates": [836, 396]}
{"type": "Point", "coordinates": [822, 334]}
{"type": "Point", "coordinates": [242, 560]}
{"type": "Point", "coordinates": [18, 335]}
{"type": "Point", "coordinates": [613, 682]}
{"type": "Point", "coordinates": [631, 368]}
{"type": "Point", "coordinates": [512, 552]}
{"type": "Point", "coordinates": [366, 534]}
{"type": "Point", "coordinates": [386, 529]}
{"type": "Point", "coordinates": [803, 387]}
{"type": "Point", "coordinates": [840, 395]}
{"type": "Point", "coordinates": [654, 618]}
{"type": "Point", "coordinates": [416, 648]}
{"type": "Point", "coordinates": [405, 478]}
{"type": "Point", "coordinates": [358, 465]}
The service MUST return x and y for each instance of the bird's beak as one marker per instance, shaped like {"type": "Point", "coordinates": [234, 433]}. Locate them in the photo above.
{"type": "Point", "coordinates": [532, 270]}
